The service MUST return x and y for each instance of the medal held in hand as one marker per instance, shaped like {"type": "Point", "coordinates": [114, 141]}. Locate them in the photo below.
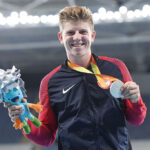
{"type": "Point", "coordinates": [104, 81]}
{"type": "Point", "coordinates": [115, 89]}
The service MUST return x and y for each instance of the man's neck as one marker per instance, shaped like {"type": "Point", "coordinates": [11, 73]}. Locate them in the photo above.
{"type": "Point", "coordinates": [83, 61]}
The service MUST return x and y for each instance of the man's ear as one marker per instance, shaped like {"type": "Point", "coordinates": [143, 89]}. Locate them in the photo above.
{"type": "Point", "coordinates": [93, 36]}
{"type": "Point", "coordinates": [60, 37]}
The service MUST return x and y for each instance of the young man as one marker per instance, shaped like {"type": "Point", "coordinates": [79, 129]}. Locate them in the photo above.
{"type": "Point", "coordinates": [78, 103]}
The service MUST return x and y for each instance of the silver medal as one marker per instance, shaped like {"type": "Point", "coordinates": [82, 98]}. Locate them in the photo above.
{"type": "Point", "coordinates": [115, 89]}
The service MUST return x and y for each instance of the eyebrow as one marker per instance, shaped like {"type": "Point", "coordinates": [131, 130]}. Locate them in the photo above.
{"type": "Point", "coordinates": [75, 30]}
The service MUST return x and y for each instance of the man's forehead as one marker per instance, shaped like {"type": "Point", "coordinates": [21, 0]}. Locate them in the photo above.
{"type": "Point", "coordinates": [76, 29]}
{"type": "Point", "coordinates": [76, 26]}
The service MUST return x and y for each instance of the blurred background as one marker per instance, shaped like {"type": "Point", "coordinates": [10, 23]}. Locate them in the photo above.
{"type": "Point", "coordinates": [28, 40]}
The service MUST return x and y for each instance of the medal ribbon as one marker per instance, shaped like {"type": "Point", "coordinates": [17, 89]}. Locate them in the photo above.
{"type": "Point", "coordinates": [103, 80]}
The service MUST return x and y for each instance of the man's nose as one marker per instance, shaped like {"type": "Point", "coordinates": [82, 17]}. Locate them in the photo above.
{"type": "Point", "coordinates": [77, 36]}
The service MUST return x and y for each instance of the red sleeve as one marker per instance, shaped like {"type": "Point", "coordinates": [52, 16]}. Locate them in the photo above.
{"type": "Point", "coordinates": [46, 134]}
{"type": "Point", "coordinates": [134, 112]}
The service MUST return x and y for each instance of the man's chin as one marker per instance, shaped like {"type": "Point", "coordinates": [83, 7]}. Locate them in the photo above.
{"type": "Point", "coordinates": [78, 54]}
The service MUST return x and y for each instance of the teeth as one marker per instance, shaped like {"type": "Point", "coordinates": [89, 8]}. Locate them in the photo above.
{"type": "Point", "coordinates": [77, 45]}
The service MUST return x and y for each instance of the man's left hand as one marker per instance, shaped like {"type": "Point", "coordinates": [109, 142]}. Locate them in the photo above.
{"type": "Point", "coordinates": [130, 90]}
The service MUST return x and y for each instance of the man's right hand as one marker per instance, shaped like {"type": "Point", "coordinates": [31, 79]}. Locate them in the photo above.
{"type": "Point", "coordinates": [14, 111]}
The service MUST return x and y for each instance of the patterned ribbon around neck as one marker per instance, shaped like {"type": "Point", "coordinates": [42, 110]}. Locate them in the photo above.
{"type": "Point", "coordinates": [104, 81]}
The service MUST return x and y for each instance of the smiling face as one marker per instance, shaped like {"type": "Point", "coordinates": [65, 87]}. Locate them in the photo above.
{"type": "Point", "coordinates": [77, 38]}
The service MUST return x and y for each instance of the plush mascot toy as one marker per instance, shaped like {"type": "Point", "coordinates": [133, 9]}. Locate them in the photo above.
{"type": "Point", "coordinates": [12, 91]}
